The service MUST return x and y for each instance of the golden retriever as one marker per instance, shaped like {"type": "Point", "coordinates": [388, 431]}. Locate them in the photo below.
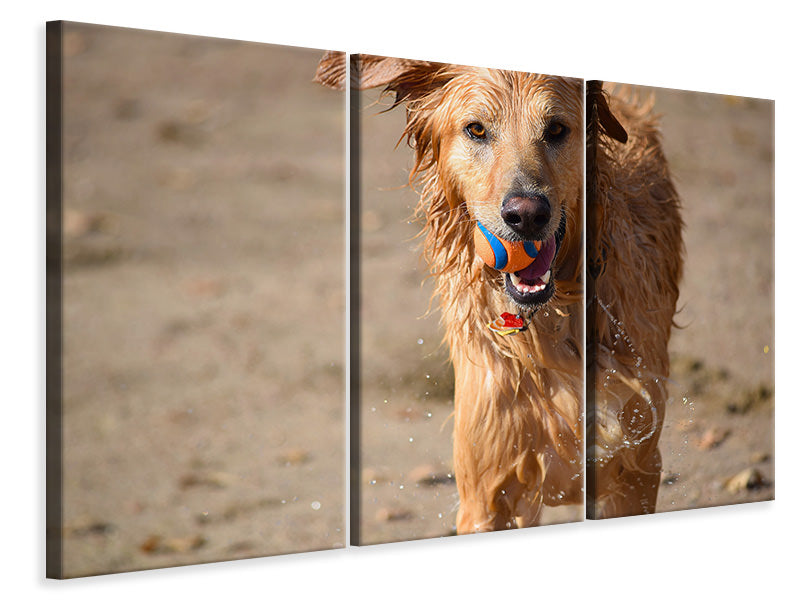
{"type": "Point", "coordinates": [503, 149]}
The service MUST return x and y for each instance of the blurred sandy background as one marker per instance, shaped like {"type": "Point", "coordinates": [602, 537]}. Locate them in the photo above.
{"type": "Point", "coordinates": [406, 485]}
{"type": "Point", "coordinates": [203, 301]}
{"type": "Point", "coordinates": [718, 441]}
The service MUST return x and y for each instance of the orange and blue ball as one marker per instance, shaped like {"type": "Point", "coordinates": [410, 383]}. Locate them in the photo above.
{"type": "Point", "coordinates": [501, 254]}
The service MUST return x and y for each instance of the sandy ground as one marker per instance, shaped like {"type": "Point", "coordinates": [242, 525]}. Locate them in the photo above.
{"type": "Point", "coordinates": [718, 441]}
{"type": "Point", "coordinates": [203, 302]}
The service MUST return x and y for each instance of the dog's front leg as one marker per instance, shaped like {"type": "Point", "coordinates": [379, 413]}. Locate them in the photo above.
{"type": "Point", "coordinates": [627, 472]}
{"type": "Point", "coordinates": [495, 500]}
{"type": "Point", "coordinates": [486, 453]}
{"type": "Point", "coordinates": [622, 491]}
{"type": "Point", "coordinates": [479, 509]}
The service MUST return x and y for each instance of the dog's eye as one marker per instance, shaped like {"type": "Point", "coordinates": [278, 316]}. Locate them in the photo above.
{"type": "Point", "coordinates": [476, 131]}
{"type": "Point", "coordinates": [555, 131]}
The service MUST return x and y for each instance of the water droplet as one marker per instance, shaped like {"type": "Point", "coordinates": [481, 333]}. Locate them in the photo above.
{"type": "Point", "coordinates": [316, 505]}
{"type": "Point", "coordinates": [411, 439]}
{"type": "Point", "coordinates": [420, 341]}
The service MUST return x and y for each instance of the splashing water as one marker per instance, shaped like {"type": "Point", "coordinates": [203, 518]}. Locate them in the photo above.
{"type": "Point", "coordinates": [611, 375]}
{"type": "Point", "coordinates": [644, 375]}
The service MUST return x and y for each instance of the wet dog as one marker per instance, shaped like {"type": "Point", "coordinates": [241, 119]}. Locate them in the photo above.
{"type": "Point", "coordinates": [504, 150]}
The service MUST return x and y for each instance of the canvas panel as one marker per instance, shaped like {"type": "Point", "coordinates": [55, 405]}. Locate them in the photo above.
{"type": "Point", "coordinates": [403, 470]}
{"type": "Point", "coordinates": [196, 280]}
{"type": "Point", "coordinates": [710, 378]}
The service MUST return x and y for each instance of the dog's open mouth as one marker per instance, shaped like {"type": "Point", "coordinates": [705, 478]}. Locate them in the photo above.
{"type": "Point", "coordinates": [535, 284]}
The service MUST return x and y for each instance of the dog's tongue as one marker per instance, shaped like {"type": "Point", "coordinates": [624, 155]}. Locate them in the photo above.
{"type": "Point", "coordinates": [541, 265]}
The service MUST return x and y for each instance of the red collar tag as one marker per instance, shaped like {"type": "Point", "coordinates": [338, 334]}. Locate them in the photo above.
{"type": "Point", "coordinates": [507, 324]}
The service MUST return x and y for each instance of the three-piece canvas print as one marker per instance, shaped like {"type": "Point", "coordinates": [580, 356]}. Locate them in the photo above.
{"type": "Point", "coordinates": [545, 299]}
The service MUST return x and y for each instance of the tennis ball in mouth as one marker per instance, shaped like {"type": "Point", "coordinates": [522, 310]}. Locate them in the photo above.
{"type": "Point", "coordinates": [501, 254]}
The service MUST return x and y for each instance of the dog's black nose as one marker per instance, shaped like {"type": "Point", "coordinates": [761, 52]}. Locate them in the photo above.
{"type": "Point", "coordinates": [526, 215]}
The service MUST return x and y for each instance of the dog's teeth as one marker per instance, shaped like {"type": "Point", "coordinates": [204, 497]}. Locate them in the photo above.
{"type": "Point", "coordinates": [524, 288]}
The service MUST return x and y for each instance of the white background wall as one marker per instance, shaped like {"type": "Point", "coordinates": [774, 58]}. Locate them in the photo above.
{"type": "Point", "coordinates": [727, 552]}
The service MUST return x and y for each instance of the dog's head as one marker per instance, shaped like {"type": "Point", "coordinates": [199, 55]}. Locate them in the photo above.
{"type": "Point", "coordinates": [505, 147]}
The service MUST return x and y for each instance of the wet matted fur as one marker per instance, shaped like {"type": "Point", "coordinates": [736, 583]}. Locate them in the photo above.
{"type": "Point", "coordinates": [518, 432]}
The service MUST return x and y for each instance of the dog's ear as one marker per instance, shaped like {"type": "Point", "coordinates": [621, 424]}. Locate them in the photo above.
{"type": "Point", "coordinates": [597, 104]}
{"type": "Point", "coordinates": [408, 79]}
{"type": "Point", "coordinates": [374, 71]}
{"type": "Point", "coordinates": [332, 71]}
